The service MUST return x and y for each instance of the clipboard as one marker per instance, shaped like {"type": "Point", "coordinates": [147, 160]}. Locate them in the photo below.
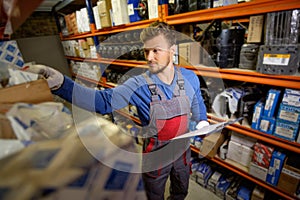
{"type": "Point", "coordinates": [207, 129]}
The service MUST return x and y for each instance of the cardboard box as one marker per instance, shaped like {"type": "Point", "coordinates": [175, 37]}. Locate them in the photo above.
{"type": "Point", "coordinates": [195, 162]}
{"type": "Point", "coordinates": [258, 193]}
{"type": "Point", "coordinates": [272, 103]}
{"type": "Point", "coordinates": [189, 53]}
{"type": "Point", "coordinates": [267, 124]}
{"type": "Point", "coordinates": [211, 144]}
{"type": "Point", "coordinates": [291, 97]}
{"type": "Point", "coordinates": [223, 184]}
{"type": "Point", "coordinates": [104, 7]}
{"type": "Point", "coordinates": [153, 9]}
{"type": "Point", "coordinates": [242, 139]}
{"type": "Point", "coordinates": [262, 155]}
{"type": "Point", "coordinates": [286, 130]}
{"type": "Point", "coordinates": [244, 192]}
{"type": "Point", "coordinates": [203, 173]}
{"type": "Point", "coordinates": [258, 171]}
{"type": "Point", "coordinates": [255, 29]}
{"type": "Point", "coordinates": [289, 113]}
{"type": "Point", "coordinates": [120, 12]}
{"type": "Point", "coordinates": [31, 92]}
{"type": "Point", "coordinates": [6, 131]}
{"type": "Point", "coordinates": [258, 112]}
{"type": "Point", "coordinates": [239, 153]}
{"type": "Point", "coordinates": [231, 193]}
{"type": "Point", "coordinates": [289, 178]}
{"type": "Point", "coordinates": [213, 181]}
{"type": "Point", "coordinates": [275, 167]}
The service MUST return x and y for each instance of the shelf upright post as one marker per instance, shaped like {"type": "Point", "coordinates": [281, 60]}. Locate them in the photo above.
{"type": "Point", "coordinates": [54, 12]}
{"type": "Point", "coordinates": [90, 12]}
{"type": "Point", "coordinates": [163, 10]}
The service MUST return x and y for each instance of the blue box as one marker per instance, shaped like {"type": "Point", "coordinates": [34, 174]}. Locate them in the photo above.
{"type": "Point", "coordinates": [203, 173]}
{"type": "Point", "coordinates": [272, 102]}
{"type": "Point", "coordinates": [133, 11]}
{"type": "Point", "coordinates": [223, 185]}
{"type": "Point", "coordinates": [291, 97]}
{"type": "Point", "coordinates": [289, 113]}
{"type": "Point", "coordinates": [275, 167]}
{"type": "Point", "coordinates": [285, 130]}
{"type": "Point", "coordinates": [244, 193]}
{"type": "Point", "coordinates": [267, 124]}
{"type": "Point", "coordinates": [257, 113]}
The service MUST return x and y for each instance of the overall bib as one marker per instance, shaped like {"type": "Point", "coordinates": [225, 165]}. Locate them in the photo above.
{"type": "Point", "coordinates": [162, 157]}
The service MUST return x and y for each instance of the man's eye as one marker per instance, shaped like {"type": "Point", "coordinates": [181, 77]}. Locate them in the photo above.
{"type": "Point", "coordinates": [155, 50]}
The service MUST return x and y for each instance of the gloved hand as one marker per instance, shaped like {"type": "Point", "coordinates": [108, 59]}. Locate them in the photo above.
{"type": "Point", "coordinates": [54, 78]}
{"type": "Point", "coordinates": [202, 124]}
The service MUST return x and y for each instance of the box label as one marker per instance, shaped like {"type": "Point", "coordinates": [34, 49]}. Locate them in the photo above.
{"type": "Point", "coordinates": [276, 59]}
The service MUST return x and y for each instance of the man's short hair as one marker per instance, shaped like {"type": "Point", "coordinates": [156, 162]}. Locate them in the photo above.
{"type": "Point", "coordinates": [158, 28]}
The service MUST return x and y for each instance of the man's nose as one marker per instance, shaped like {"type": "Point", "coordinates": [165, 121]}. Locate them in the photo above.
{"type": "Point", "coordinates": [150, 55]}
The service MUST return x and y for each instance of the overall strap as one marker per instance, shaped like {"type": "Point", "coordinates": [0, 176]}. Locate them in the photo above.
{"type": "Point", "coordinates": [155, 91]}
{"type": "Point", "coordinates": [179, 88]}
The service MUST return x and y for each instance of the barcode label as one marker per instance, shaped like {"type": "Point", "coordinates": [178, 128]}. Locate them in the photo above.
{"type": "Point", "coordinates": [264, 125]}
{"type": "Point", "coordinates": [276, 59]}
{"type": "Point", "coordinates": [130, 9]}
{"type": "Point", "coordinates": [256, 114]}
{"type": "Point", "coordinates": [270, 101]}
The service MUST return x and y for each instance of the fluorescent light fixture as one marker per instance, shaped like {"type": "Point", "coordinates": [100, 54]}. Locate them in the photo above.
{"type": "Point", "coordinates": [47, 5]}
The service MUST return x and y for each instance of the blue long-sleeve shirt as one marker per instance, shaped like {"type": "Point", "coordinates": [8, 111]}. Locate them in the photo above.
{"type": "Point", "coordinates": [134, 91]}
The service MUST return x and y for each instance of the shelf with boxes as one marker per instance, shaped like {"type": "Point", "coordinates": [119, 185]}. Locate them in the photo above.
{"type": "Point", "coordinates": [238, 169]}
{"type": "Point", "coordinates": [229, 74]}
{"type": "Point", "coordinates": [106, 17]}
{"type": "Point", "coordinates": [241, 11]}
{"type": "Point", "coordinates": [268, 138]}
{"type": "Point", "coordinates": [247, 158]}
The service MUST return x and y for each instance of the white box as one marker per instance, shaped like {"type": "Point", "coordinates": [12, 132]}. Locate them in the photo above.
{"type": "Point", "coordinates": [289, 113]}
{"type": "Point", "coordinates": [291, 97]}
{"type": "Point", "coordinates": [239, 153]}
{"type": "Point", "coordinates": [153, 9]}
{"type": "Point", "coordinates": [213, 181]}
{"type": "Point", "coordinates": [120, 12]}
{"type": "Point", "coordinates": [258, 171]}
{"type": "Point", "coordinates": [242, 139]}
{"type": "Point", "coordinates": [286, 130]}
{"type": "Point", "coordinates": [97, 17]}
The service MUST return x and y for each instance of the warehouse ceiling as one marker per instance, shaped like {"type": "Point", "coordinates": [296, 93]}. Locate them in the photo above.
{"type": "Point", "coordinates": [64, 6]}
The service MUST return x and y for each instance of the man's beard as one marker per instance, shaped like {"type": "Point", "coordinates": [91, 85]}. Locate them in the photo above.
{"type": "Point", "coordinates": [163, 67]}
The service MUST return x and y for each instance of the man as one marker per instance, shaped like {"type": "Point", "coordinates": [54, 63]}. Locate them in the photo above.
{"type": "Point", "coordinates": [166, 98]}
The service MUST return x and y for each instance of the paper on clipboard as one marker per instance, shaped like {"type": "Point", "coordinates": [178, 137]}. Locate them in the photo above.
{"type": "Point", "coordinates": [207, 129]}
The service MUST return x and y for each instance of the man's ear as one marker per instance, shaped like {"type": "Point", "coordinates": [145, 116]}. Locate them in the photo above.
{"type": "Point", "coordinates": [173, 48]}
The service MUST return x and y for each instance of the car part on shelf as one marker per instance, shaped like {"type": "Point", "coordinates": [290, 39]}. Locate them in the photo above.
{"type": "Point", "coordinates": [248, 56]}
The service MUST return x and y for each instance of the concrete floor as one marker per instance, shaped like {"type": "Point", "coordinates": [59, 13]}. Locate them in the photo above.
{"type": "Point", "coordinates": [196, 192]}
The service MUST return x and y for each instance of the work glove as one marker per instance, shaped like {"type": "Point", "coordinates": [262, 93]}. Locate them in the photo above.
{"type": "Point", "coordinates": [202, 124]}
{"type": "Point", "coordinates": [54, 78]}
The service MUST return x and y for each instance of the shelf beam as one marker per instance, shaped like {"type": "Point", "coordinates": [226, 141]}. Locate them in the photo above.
{"type": "Point", "coordinates": [233, 11]}
{"type": "Point", "coordinates": [251, 76]}
{"type": "Point", "coordinates": [111, 30]}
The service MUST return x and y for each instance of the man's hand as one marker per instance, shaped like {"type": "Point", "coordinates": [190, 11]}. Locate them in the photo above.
{"type": "Point", "coordinates": [54, 78]}
{"type": "Point", "coordinates": [202, 124]}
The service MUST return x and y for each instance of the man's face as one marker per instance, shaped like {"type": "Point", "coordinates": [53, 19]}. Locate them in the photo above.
{"type": "Point", "coordinates": [158, 53]}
